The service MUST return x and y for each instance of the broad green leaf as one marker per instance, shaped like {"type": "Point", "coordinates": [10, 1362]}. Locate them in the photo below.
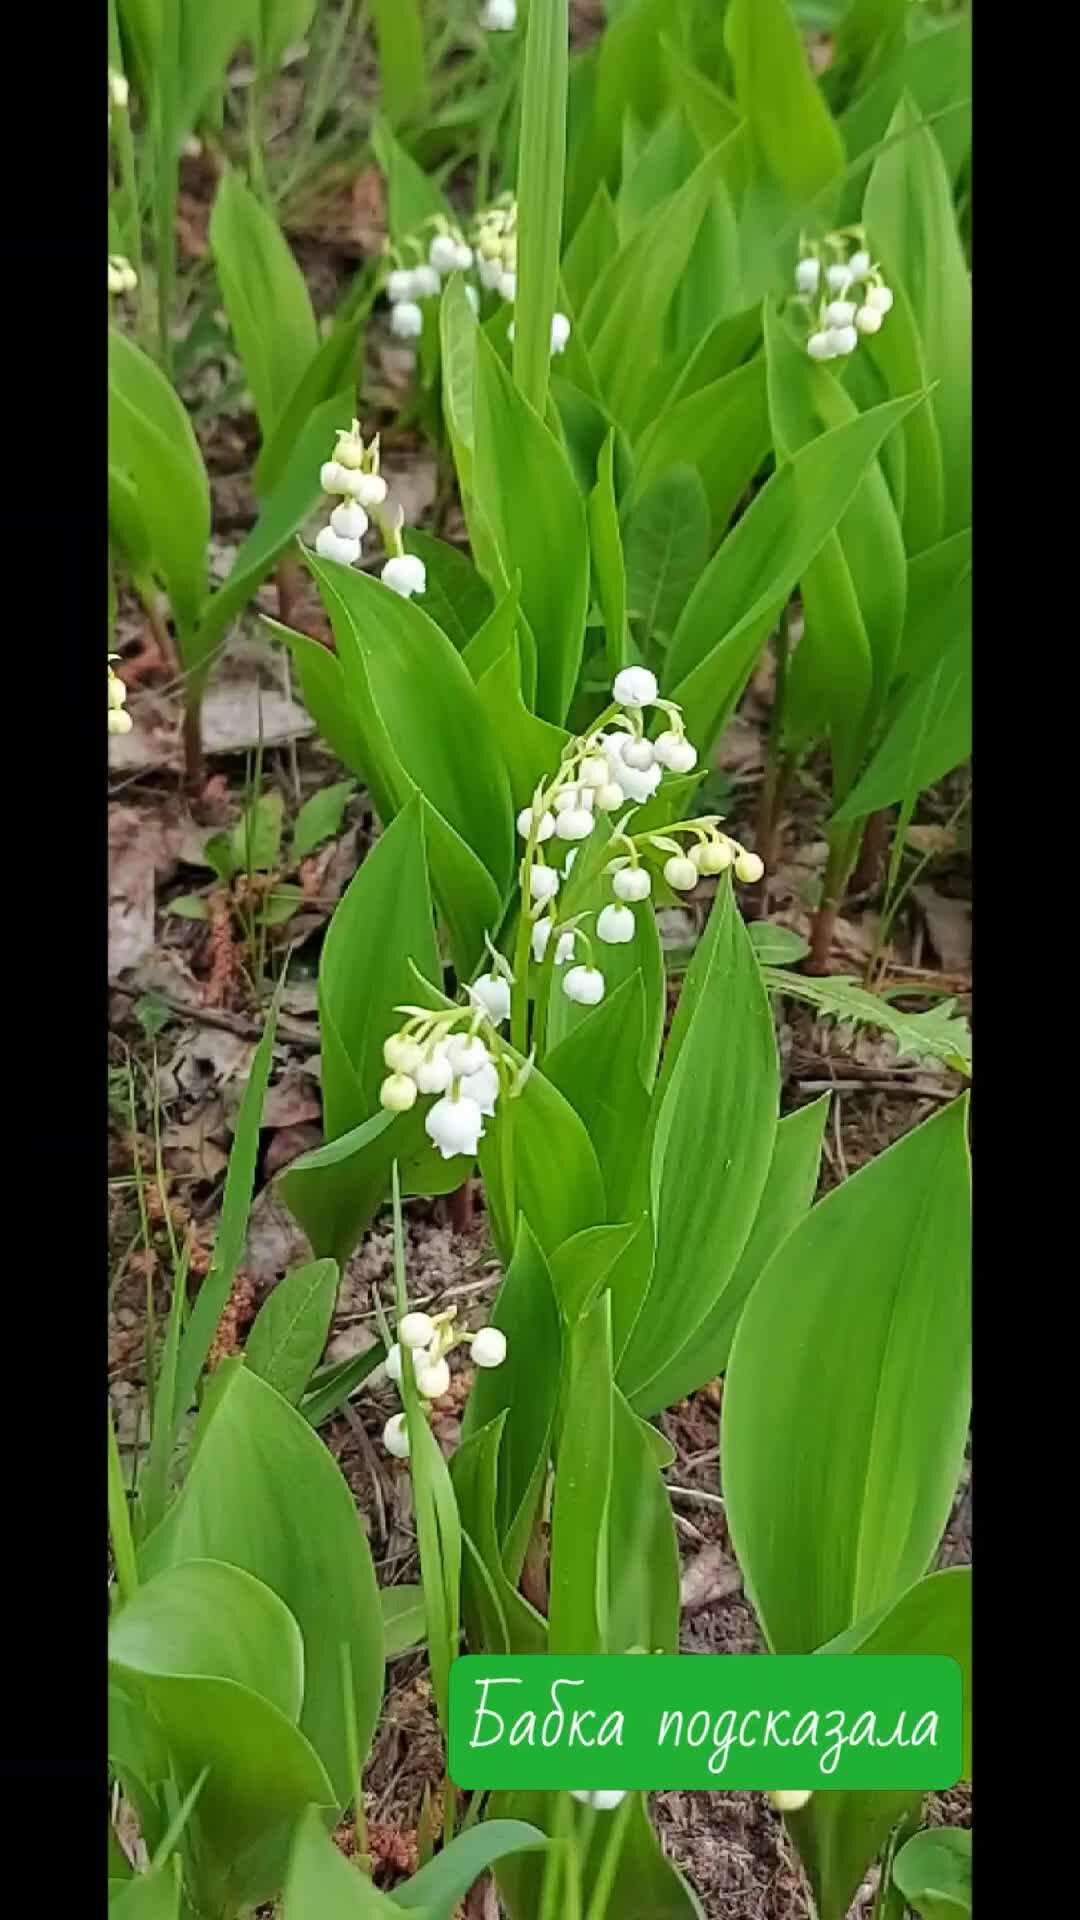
{"type": "Point", "coordinates": [255, 841]}
{"type": "Point", "coordinates": [938, 602]}
{"type": "Point", "coordinates": [263, 1493]}
{"type": "Point", "coordinates": [152, 446]}
{"type": "Point", "coordinates": [936, 1035]}
{"type": "Point", "coordinates": [589, 891]}
{"type": "Point", "coordinates": [208, 38]}
{"type": "Point", "coordinates": [896, 354]}
{"type": "Point", "coordinates": [526, 1386]}
{"type": "Point", "coordinates": [643, 1556]}
{"type": "Point", "coordinates": [207, 1618]}
{"type": "Point", "coordinates": [712, 1145]}
{"type": "Point", "coordinates": [665, 162]}
{"type": "Point", "coordinates": [531, 747]}
{"type": "Point", "coordinates": [292, 498]}
{"type": "Point", "coordinates": [528, 497]}
{"type": "Point", "coordinates": [265, 295]}
{"type": "Point", "coordinates": [597, 1066]}
{"type": "Point", "coordinates": [320, 817]}
{"type": "Point", "coordinates": [540, 174]}
{"type": "Point", "coordinates": [333, 369]}
{"type": "Point", "coordinates": [404, 1625]}
{"type": "Point", "coordinates": [578, 1599]}
{"type": "Point", "coordinates": [498, 1619]}
{"type": "Point", "coordinates": [592, 248]}
{"type": "Point", "coordinates": [403, 77]}
{"type": "Point", "coordinates": [785, 1198]}
{"type": "Point", "coordinates": [322, 684]}
{"type": "Point", "coordinates": [148, 1896]}
{"type": "Point", "coordinates": [712, 114]}
{"type": "Point", "coordinates": [776, 91]}
{"type": "Point", "coordinates": [929, 734]}
{"type": "Point", "coordinates": [456, 596]}
{"type": "Point", "coordinates": [438, 1889]}
{"type": "Point", "coordinates": [332, 1385]}
{"type": "Point", "coordinates": [777, 946]}
{"type": "Point", "coordinates": [580, 1267]}
{"type": "Point", "coordinates": [189, 906]}
{"type": "Point", "coordinates": [630, 80]}
{"type": "Point", "coordinates": [909, 213]}
{"type": "Point", "coordinates": [645, 1887]}
{"type": "Point", "coordinates": [279, 25]}
{"type": "Point", "coordinates": [935, 69]}
{"type": "Point", "coordinates": [529, 1134]}
{"type": "Point", "coordinates": [289, 1334]}
{"type": "Point", "coordinates": [214, 1293]}
{"type": "Point", "coordinates": [746, 585]}
{"type": "Point", "coordinates": [666, 543]}
{"type": "Point", "coordinates": [438, 1529]}
{"type": "Point", "coordinates": [609, 567]}
{"type": "Point", "coordinates": [856, 1339]}
{"type": "Point", "coordinates": [412, 196]}
{"type": "Point", "coordinates": [933, 1872]}
{"type": "Point", "coordinates": [721, 430]}
{"type": "Point", "coordinates": [127, 528]}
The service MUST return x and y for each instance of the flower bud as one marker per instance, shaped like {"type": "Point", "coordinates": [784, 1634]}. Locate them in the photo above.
{"type": "Point", "coordinates": [467, 1053]}
{"type": "Point", "coordinates": [484, 1087]}
{"type": "Point", "coordinates": [601, 1799]}
{"type": "Point", "coordinates": [397, 1093]}
{"type": "Point", "coordinates": [434, 1073]}
{"type": "Point", "coordinates": [492, 990]}
{"type": "Point", "coordinates": [640, 787]}
{"type": "Point", "coordinates": [838, 279]}
{"type": "Point", "coordinates": [808, 275]}
{"type": "Point", "coordinates": [788, 1801]}
{"type": "Point", "coordinates": [631, 883]}
{"type": "Point", "coordinates": [393, 1364]}
{"type": "Point", "coordinates": [680, 873]}
{"type": "Point", "coordinates": [593, 771]}
{"type": "Point", "coordinates": [416, 1330]}
{"type": "Point", "coordinates": [402, 1053]}
{"type": "Point", "coordinates": [859, 264]}
{"type": "Point", "coordinates": [575, 823]}
{"type": "Point", "coordinates": [432, 1378]}
{"type": "Point", "coordinates": [488, 1348]}
{"type": "Point", "coordinates": [119, 91]}
{"type": "Point", "coordinates": [840, 313]}
{"type": "Point", "coordinates": [489, 270]}
{"type": "Point", "coordinates": [713, 856]}
{"type": "Point", "coordinates": [334, 478]}
{"type": "Point", "coordinates": [443, 252]}
{"type": "Point", "coordinates": [635, 687]}
{"type": "Point", "coordinates": [396, 1436]}
{"type": "Point", "coordinates": [406, 320]}
{"type": "Point", "coordinates": [585, 986]}
{"type": "Point", "coordinates": [426, 283]}
{"type": "Point", "coordinates": [881, 298]}
{"type": "Point", "coordinates": [370, 489]}
{"type": "Point", "coordinates": [508, 287]}
{"type": "Point", "coordinates": [610, 796]}
{"type": "Point", "coordinates": [869, 319]}
{"type": "Point", "coordinates": [331, 546]}
{"type": "Point", "coordinates": [543, 883]}
{"type": "Point", "coordinates": [749, 867]}
{"type": "Point", "coordinates": [560, 332]}
{"type": "Point", "coordinates": [543, 832]}
{"type": "Point", "coordinates": [819, 346]}
{"type": "Point", "coordinates": [119, 720]}
{"type": "Point", "coordinates": [615, 926]}
{"type": "Point", "coordinates": [405, 574]}
{"type": "Point", "coordinates": [401, 286]}
{"type": "Point", "coordinates": [349, 521]}
{"type": "Point", "coordinates": [675, 752]}
{"type": "Point", "coordinates": [541, 934]}
{"type": "Point", "coordinates": [638, 754]}
{"type": "Point", "coordinates": [499, 16]}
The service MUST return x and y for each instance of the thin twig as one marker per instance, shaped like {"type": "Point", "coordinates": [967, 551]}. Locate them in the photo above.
{"type": "Point", "coordinates": [921, 1089]}
{"type": "Point", "coordinates": [237, 1023]}
{"type": "Point", "coordinates": [695, 1497]}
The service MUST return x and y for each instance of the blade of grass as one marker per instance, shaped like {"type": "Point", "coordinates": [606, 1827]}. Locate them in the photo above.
{"type": "Point", "coordinates": [154, 1482]}
{"type": "Point", "coordinates": [123, 1545]}
{"type": "Point", "coordinates": [541, 170]}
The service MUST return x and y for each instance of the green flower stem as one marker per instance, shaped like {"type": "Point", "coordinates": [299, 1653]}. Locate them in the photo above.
{"type": "Point", "coordinates": [609, 1861]}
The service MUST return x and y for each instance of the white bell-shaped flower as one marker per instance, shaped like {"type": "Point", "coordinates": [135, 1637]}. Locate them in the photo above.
{"type": "Point", "coordinates": [508, 286]}
{"type": "Point", "coordinates": [615, 925]}
{"type": "Point", "coordinates": [396, 1436]}
{"type": "Point", "coordinates": [483, 1087]}
{"type": "Point", "coordinates": [499, 16]}
{"type": "Point", "coordinates": [840, 313]}
{"type": "Point", "coordinates": [490, 273]}
{"type": "Point", "coordinates": [543, 832]}
{"type": "Point", "coordinates": [585, 986]}
{"type": "Point", "coordinates": [574, 823]}
{"type": "Point", "coordinates": [405, 574]}
{"type": "Point", "coordinates": [881, 298]}
{"type": "Point", "coordinates": [675, 752]}
{"type": "Point", "coordinates": [406, 320]}
{"type": "Point", "coordinates": [749, 867]}
{"type": "Point", "coordinates": [402, 1053]}
{"type": "Point", "coordinates": [593, 771]}
{"type": "Point", "coordinates": [640, 787]}
{"type": "Point", "coordinates": [488, 1348]}
{"type": "Point", "coordinates": [543, 882]}
{"type": "Point", "coordinates": [432, 1377]}
{"type": "Point", "coordinates": [334, 478]}
{"type": "Point", "coordinates": [712, 856]}
{"type": "Point", "coordinates": [789, 1800]}
{"type": "Point", "coordinates": [442, 253]}
{"type": "Point", "coordinates": [467, 1053]}
{"type": "Point", "coordinates": [859, 264]}
{"type": "Point", "coordinates": [611, 796]}
{"type": "Point", "coordinates": [394, 1364]}
{"type": "Point", "coordinates": [426, 282]}
{"type": "Point", "coordinates": [635, 687]}
{"type": "Point", "coordinates": [330, 546]}
{"type": "Point", "coordinates": [492, 990]}
{"type": "Point", "coordinates": [434, 1072]}
{"type": "Point", "coordinates": [843, 340]}
{"type": "Point", "coordinates": [638, 754]}
{"type": "Point", "coordinates": [401, 285]}
{"type": "Point", "coordinates": [455, 1126]}
{"type": "Point", "coordinates": [838, 278]}
{"type": "Point", "coordinates": [808, 275]}
{"type": "Point", "coordinates": [680, 873]}
{"type": "Point", "coordinates": [820, 346]}
{"type": "Point", "coordinates": [560, 332]}
{"type": "Point", "coordinates": [869, 319]}
{"type": "Point", "coordinates": [601, 1799]}
{"type": "Point", "coordinates": [349, 520]}
{"type": "Point", "coordinates": [370, 489]}
{"type": "Point", "coordinates": [631, 883]}
{"type": "Point", "coordinates": [416, 1330]}
{"type": "Point", "coordinates": [119, 720]}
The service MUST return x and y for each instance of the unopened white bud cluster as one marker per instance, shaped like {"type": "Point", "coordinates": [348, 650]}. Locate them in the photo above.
{"type": "Point", "coordinates": [492, 255]}
{"type": "Point", "coordinates": [499, 16]}
{"type": "Point", "coordinates": [352, 476]}
{"type": "Point", "coordinates": [615, 765]}
{"type": "Point", "coordinates": [845, 292]}
{"type": "Point", "coordinates": [119, 717]}
{"type": "Point", "coordinates": [457, 1056]}
{"type": "Point", "coordinates": [428, 1341]}
{"type": "Point", "coordinates": [788, 1800]}
{"type": "Point", "coordinates": [122, 275]}
{"type": "Point", "coordinates": [119, 91]}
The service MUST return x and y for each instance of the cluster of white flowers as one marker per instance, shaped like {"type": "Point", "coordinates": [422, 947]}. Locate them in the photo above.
{"type": "Point", "coordinates": [457, 1055]}
{"type": "Point", "coordinates": [616, 765]}
{"type": "Point", "coordinates": [353, 477]}
{"type": "Point", "coordinates": [122, 275]}
{"type": "Point", "coordinates": [429, 1341]}
{"type": "Point", "coordinates": [499, 16]}
{"type": "Point", "coordinates": [492, 254]}
{"type": "Point", "coordinates": [119, 717]}
{"type": "Point", "coordinates": [850, 295]}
